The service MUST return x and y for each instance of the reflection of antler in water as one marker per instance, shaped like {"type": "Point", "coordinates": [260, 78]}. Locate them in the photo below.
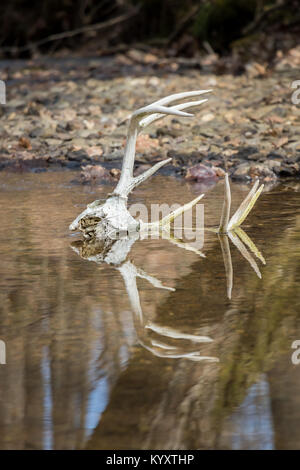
{"type": "Point", "coordinates": [242, 212]}
{"type": "Point", "coordinates": [100, 219]}
{"type": "Point", "coordinates": [130, 273]}
{"type": "Point", "coordinates": [227, 262]}
{"type": "Point", "coordinates": [115, 251]}
{"type": "Point", "coordinates": [103, 221]}
{"type": "Point", "coordinates": [162, 344]}
{"type": "Point", "coordinates": [238, 237]}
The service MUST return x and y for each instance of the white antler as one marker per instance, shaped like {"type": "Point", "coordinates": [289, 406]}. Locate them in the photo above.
{"type": "Point", "coordinates": [108, 219]}
{"type": "Point", "coordinates": [138, 121]}
{"type": "Point", "coordinates": [242, 212]}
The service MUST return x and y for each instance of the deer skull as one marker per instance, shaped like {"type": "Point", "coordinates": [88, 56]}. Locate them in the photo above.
{"type": "Point", "coordinates": [112, 218]}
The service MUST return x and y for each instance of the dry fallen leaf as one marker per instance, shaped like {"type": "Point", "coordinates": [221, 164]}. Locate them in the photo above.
{"type": "Point", "coordinates": [25, 143]}
{"type": "Point", "coordinates": [115, 173]}
{"type": "Point", "coordinates": [281, 142]}
{"type": "Point", "coordinates": [229, 116]}
{"type": "Point", "coordinates": [92, 151]}
{"type": "Point", "coordinates": [89, 124]}
{"type": "Point", "coordinates": [67, 114]}
{"type": "Point", "coordinates": [235, 142]}
{"type": "Point", "coordinates": [275, 119]}
{"type": "Point", "coordinates": [229, 152]}
{"type": "Point", "coordinates": [207, 117]}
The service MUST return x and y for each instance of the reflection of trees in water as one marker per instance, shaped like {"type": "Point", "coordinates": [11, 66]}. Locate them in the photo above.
{"type": "Point", "coordinates": [63, 336]}
{"type": "Point", "coordinates": [264, 342]}
{"type": "Point", "coordinates": [59, 346]}
{"type": "Point", "coordinates": [186, 405]}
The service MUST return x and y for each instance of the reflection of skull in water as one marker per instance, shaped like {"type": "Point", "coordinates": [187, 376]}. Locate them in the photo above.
{"type": "Point", "coordinates": [160, 340]}
{"type": "Point", "coordinates": [110, 230]}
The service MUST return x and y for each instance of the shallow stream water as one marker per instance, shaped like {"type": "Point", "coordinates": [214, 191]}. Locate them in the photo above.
{"type": "Point", "coordinates": [90, 364]}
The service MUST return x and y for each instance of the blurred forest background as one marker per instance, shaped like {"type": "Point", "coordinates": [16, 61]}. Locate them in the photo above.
{"type": "Point", "coordinates": [244, 29]}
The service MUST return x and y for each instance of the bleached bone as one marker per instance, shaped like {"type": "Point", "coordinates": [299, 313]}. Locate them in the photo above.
{"type": "Point", "coordinates": [231, 228]}
{"type": "Point", "coordinates": [242, 212]}
{"type": "Point", "coordinates": [223, 228]}
{"type": "Point", "coordinates": [112, 224]}
{"type": "Point", "coordinates": [165, 222]}
{"type": "Point", "coordinates": [108, 219]}
{"type": "Point", "coordinates": [246, 206]}
{"type": "Point", "coordinates": [139, 120]}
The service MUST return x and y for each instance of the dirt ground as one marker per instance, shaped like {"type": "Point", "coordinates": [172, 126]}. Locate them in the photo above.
{"type": "Point", "coordinates": [73, 114]}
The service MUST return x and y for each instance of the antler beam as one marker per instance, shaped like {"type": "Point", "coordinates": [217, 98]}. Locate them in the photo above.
{"type": "Point", "coordinates": [109, 219]}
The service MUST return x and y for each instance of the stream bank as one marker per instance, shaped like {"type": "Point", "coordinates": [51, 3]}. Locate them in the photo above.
{"type": "Point", "coordinates": [72, 114]}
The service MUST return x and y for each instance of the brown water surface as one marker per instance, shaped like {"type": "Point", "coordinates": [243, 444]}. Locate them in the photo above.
{"type": "Point", "coordinates": [84, 370]}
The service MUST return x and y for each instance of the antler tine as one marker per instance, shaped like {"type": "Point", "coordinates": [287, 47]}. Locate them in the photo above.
{"type": "Point", "coordinates": [168, 219]}
{"type": "Point", "coordinates": [179, 96]}
{"type": "Point", "coordinates": [146, 174]}
{"type": "Point", "coordinates": [246, 206]}
{"type": "Point", "coordinates": [223, 228]}
{"type": "Point", "coordinates": [146, 115]}
{"type": "Point", "coordinates": [151, 109]}
{"type": "Point", "coordinates": [167, 100]}
{"type": "Point", "coordinates": [155, 117]}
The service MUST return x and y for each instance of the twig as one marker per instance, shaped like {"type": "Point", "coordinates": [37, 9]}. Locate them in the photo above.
{"type": "Point", "coordinates": [250, 28]}
{"type": "Point", "coordinates": [72, 33]}
{"type": "Point", "coordinates": [184, 23]}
